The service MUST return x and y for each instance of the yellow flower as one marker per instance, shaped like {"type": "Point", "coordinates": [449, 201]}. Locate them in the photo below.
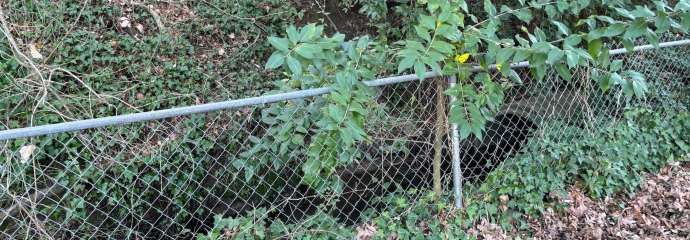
{"type": "Point", "coordinates": [498, 66]}
{"type": "Point", "coordinates": [462, 58]}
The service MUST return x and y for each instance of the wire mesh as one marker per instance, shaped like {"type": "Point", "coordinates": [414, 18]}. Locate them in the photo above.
{"type": "Point", "coordinates": [169, 178]}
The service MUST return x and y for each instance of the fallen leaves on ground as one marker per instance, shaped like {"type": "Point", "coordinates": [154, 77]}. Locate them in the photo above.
{"type": "Point", "coordinates": [659, 210]}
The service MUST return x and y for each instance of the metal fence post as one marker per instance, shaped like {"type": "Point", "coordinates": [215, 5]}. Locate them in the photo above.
{"type": "Point", "coordinates": [455, 146]}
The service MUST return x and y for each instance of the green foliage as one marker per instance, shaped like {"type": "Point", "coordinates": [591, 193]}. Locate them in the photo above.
{"type": "Point", "coordinates": [312, 60]}
{"type": "Point", "coordinates": [256, 226]}
{"type": "Point", "coordinates": [612, 159]}
{"type": "Point", "coordinates": [443, 33]}
{"type": "Point", "coordinates": [163, 175]}
{"type": "Point", "coordinates": [119, 70]}
{"type": "Point", "coordinates": [95, 67]}
{"type": "Point", "coordinates": [442, 42]}
{"type": "Point", "coordinates": [124, 69]}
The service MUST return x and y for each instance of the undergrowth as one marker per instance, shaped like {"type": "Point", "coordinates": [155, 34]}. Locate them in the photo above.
{"type": "Point", "coordinates": [102, 58]}
{"type": "Point", "coordinates": [610, 160]}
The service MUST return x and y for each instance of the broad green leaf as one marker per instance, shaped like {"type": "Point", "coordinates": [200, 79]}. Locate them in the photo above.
{"type": "Point", "coordinates": [463, 6]}
{"type": "Point", "coordinates": [616, 65]}
{"type": "Point", "coordinates": [523, 42]}
{"type": "Point", "coordinates": [555, 55]}
{"type": "Point", "coordinates": [628, 44]}
{"type": "Point", "coordinates": [638, 83]}
{"type": "Point", "coordinates": [276, 60]}
{"type": "Point", "coordinates": [489, 8]}
{"type": "Point", "coordinates": [563, 71]}
{"type": "Point", "coordinates": [308, 51]}
{"type": "Point", "coordinates": [293, 35]}
{"type": "Point", "coordinates": [572, 59]}
{"type": "Point", "coordinates": [637, 29]}
{"type": "Point", "coordinates": [642, 12]}
{"type": "Point", "coordinates": [346, 136]}
{"type": "Point", "coordinates": [504, 54]}
{"type": "Point", "coordinates": [336, 112]}
{"type": "Point", "coordinates": [652, 38]}
{"type": "Point", "coordinates": [594, 48]}
{"type": "Point", "coordinates": [625, 13]}
{"type": "Point", "coordinates": [279, 43]}
{"type": "Point", "coordinates": [427, 21]}
{"type": "Point", "coordinates": [605, 83]}
{"type": "Point", "coordinates": [524, 15]}
{"type": "Point", "coordinates": [663, 22]}
{"type": "Point", "coordinates": [615, 30]}
{"type": "Point", "coordinates": [420, 70]}
{"type": "Point", "coordinates": [423, 33]}
{"type": "Point", "coordinates": [294, 65]}
{"type": "Point", "coordinates": [442, 46]}
{"type": "Point", "coordinates": [406, 63]}
{"type": "Point", "coordinates": [682, 5]}
{"type": "Point", "coordinates": [604, 58]}
{"type": "Point", "coordinates": [685, 22]}
{"type": "Point", "coordinates": [640, 88]}
{"type": "Point", "coordinates": [515, 77]}
{"type": "Point", "coordinates": [520, 55]}
{"type": "Point", "coordinates": [573, 40]}
{"type": "Point", "coordinates": [616, 78]}
{"type": "Point", "coordinates": [308, 32]}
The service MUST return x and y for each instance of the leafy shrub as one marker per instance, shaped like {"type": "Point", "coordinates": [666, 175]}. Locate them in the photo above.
{"type": "Point", "coordinates": [444, 42]}
{"type": "Point", "coordinates": [611, 160]}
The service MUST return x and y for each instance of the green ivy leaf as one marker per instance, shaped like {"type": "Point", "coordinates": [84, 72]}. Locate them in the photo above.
{"type": "Point", "coordinates": [562, 28]}
{"type": "Point", "coordinates": [637, 29]}
{"type": "Point", "coordinates": [524, 15]}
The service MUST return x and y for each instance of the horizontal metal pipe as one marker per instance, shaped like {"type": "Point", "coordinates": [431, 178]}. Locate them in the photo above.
{"type": "Point", "coordinates": [230, 104]}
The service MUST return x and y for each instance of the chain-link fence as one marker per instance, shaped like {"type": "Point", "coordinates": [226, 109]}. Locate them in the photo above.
{"type": "Point", "coordinates": [168, 178]}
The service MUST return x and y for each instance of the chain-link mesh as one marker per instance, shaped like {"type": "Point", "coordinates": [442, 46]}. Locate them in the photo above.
{"type": "Point", "coordinates": [169, 178]}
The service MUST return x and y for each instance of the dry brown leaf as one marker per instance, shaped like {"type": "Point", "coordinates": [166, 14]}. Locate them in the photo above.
{"type": "Point", "coordinates": [26, 151]}
{"type": "Point", "coordinates": [33, 51]}
{"type": "Point", "coordinates": [124, 22]}
{"type": "Point", "coordinates": [366, 232]}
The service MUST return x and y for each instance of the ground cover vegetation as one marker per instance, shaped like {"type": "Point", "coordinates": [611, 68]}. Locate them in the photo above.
{"type": "Point", "coordinates": [68, 60]}
{"type": "Point", "coordinates": [441, 42]}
